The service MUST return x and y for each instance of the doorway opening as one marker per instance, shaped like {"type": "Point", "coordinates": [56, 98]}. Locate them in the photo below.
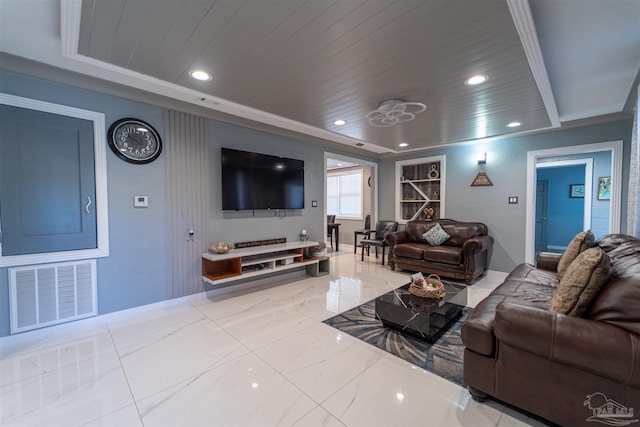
{"type": "Point", "coordinates": [369, 184]}
{"type": "Point", "coordinates": [609, 223]}
{"type": "Point", "coordinates": [562, 202]}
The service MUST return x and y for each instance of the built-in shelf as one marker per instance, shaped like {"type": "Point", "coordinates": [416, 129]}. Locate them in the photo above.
{"type": "Point", "coordinates": [255, 261]}
{"type": "Point", "coordinates": [420, 185]}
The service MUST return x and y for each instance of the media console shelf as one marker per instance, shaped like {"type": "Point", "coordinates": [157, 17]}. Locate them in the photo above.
{"type": "Point", "coordinates": [254, 261]}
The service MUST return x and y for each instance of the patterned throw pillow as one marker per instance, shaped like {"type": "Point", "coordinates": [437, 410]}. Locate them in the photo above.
{"type": "Point", "coordinates": [578, 244]}
{"type": "Point", "coordinates": [580, 284]}
{"type": "Point", "coordinates": [436, 235]}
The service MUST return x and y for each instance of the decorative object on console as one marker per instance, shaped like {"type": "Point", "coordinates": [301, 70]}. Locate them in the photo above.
{"type": "Point", "coordinates": [221, 247]}
{"type": "Point", "coordinates": [134, 141]}
{"type": "Point", "coordinates": [319, 249]}
{"type": "Point", "coordinates": [261, 242]}
{"type": "Point", "coordinates": [304, 236]}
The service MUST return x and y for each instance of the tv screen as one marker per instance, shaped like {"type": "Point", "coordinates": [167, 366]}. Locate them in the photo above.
{"type": "Point", "coordinates": [260, 181]}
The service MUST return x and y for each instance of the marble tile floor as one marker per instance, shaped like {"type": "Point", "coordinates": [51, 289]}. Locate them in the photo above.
{"type": "Point", "coordinates": [253, 357]}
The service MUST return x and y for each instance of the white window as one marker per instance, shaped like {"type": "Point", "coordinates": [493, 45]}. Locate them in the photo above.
{"type": "Point", "coordinates": [344, 193]}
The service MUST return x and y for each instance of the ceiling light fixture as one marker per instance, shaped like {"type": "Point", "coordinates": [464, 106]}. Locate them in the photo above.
{"type": "Point", "coordinates": [403, 144]}
{"type": "Point", "coordinates": [200, 75]}
{"type": "Point", "coordinates": [476, 80]}
{"type": "Point", "coordinates": [394, 111]}
{"type": "Point", "coordinates": [339, 122]}
{"type": "Point", "coordinates": [514, 124]}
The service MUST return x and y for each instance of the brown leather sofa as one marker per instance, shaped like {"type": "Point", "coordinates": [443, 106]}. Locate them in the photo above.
{"type": "Point", "coordinates": [554, 365]}
{"type": "Point", "coordinates": [463, 256]}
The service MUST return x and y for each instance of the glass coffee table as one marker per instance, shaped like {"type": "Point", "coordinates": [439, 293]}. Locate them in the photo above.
{"type": "Point", "coordinates": [424, 318]}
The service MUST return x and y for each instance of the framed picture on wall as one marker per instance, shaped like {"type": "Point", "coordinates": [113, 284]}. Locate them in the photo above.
{"type": "Point", "coordinates": [576, 191]}
{"type": "Point", "coordinates": [604, 188]}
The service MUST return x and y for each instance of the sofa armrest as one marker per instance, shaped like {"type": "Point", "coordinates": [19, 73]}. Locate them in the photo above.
{"type": "Point", "coordinates": [548, 261]}
{"type": "Point", "coordinates": [477, 244]}
{"type": "Point", "coordinates": [396, 237]}
{"type": "Point", "coordinates": [592, 346]}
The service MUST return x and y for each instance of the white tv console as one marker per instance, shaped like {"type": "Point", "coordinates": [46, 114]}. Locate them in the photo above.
{"type": "Point", "coordinates": [260, 260]}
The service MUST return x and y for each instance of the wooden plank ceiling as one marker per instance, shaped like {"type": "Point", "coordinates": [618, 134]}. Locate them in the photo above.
{"type": "Point", "coordinates": [316, 61]}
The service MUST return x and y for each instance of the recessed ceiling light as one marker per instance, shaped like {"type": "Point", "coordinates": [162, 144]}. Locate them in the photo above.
{"type": "Point", "coordinates": [403, 144]}
{"type": "Point", "coordinates": [476, 80]}
{"type": "Point", "coordinates": [514, 124]}
{"type": "Point", "coordinates": [200, 75]}
{"type": "Point", "coordinates": [339, 122]}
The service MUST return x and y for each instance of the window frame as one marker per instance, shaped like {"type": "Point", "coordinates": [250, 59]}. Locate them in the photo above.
{"type": "Point", "coordinates": [348, 171]}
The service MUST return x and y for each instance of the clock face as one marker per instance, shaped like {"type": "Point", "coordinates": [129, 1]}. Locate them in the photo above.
{"type": "Point", "coordinates": [134, 141]}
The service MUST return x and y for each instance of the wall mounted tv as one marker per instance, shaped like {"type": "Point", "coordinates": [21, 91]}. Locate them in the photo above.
{"type": "Point", "coordinates": [260, 181]}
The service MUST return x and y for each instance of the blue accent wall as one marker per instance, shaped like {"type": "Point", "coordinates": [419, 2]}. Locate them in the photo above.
{"type": "Point", "coordinates": [566, 214]}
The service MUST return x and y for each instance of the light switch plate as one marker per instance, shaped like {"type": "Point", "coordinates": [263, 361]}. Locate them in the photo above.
{"type": "Point", "coordinates": [513, 200]}
{"type": "Point", "coordinates": [140, 201]}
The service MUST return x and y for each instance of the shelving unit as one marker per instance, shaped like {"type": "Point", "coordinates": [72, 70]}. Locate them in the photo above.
{"type": "Point", "coordinates": [420, 184]}
{"type": "Point", "coordinates": [255, 261]}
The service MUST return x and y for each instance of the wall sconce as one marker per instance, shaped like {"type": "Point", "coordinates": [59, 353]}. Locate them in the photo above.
{"type": "Point", "coordinates": [482, 158]}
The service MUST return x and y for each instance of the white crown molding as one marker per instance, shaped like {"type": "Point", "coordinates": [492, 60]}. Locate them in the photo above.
{"type": "Point", "coordinates": [523, 20]}
{"type": "Point", "coordinates": [70, 14]}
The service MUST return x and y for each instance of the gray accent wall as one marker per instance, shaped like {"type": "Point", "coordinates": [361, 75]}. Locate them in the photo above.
{"type": "Point", "coordinates": [151, 258]}
{"type": "Point", "coordinates": [507, 168]}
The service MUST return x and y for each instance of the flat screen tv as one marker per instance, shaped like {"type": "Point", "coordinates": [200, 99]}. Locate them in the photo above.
{"type": "Point", "coordinates": [260, 181]}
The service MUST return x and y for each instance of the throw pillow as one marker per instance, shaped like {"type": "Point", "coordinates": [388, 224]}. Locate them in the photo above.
{"type": "Point", "coordinates": [436, 235]}
{"type": "Point", "coordinates": [578, 244]}
{"type": "Point", "coordinates": [581, 283]}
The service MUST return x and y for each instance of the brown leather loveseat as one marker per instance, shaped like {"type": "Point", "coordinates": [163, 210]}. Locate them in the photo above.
{"type": "Point", "coordinates": [567, 368]}
{"type": "Point", "coordinates": [464, 255]}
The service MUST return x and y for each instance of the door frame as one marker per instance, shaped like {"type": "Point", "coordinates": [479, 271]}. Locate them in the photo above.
{"type": "Point", "coordinates": [101, 202]}
{"type": "Point", "coordinates": [373, 188]}
{"type": "Point", "coordinates": [615, 147]}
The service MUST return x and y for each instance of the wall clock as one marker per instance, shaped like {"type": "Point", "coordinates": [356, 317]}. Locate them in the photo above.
{"type": "Point", "coordinates": [134, 141]}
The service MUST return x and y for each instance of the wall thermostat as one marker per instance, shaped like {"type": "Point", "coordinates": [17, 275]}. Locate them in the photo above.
{"type": "Point", "coordinates": [140, 201]}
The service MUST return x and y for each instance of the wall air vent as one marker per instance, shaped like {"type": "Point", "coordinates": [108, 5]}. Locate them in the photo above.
{"type": "Point", "coordinates": [49, 294]}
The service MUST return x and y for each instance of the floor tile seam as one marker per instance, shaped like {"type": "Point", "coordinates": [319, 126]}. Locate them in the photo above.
{"type": "Point", "coordinates": [126, 378]}
{"type": "Point", "coordinates": [235, 314]}
{"type": "Point", "coordinates": [348, 383]}
{"type": "Point", "coordinates": [128, 350]}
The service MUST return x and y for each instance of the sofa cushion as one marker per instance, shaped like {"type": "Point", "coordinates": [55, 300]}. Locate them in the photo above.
{"type": "Point", "coordinates": [581, 283]}
{"type": "Point", "coordinates": [410, 250]}
{"type": "Point", "coordinates": [582, 241]}
{"type": "Point", "coordinates": [618, 301]}
{"type": "Point", "coordinates": [443, 254]}
{"type": "Point", "coordinates": [436, 235]}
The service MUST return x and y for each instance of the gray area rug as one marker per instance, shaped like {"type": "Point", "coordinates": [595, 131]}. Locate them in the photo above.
{"type": "Point", "coordinates": [444, 357]}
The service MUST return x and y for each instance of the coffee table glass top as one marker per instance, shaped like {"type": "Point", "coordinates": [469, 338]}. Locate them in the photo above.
{"type": "Point", "coordinates": [425, 318]}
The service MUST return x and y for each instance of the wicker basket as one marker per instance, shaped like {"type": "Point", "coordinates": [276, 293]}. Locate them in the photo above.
{"type": "Point", "coordinates": [433, 280]}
